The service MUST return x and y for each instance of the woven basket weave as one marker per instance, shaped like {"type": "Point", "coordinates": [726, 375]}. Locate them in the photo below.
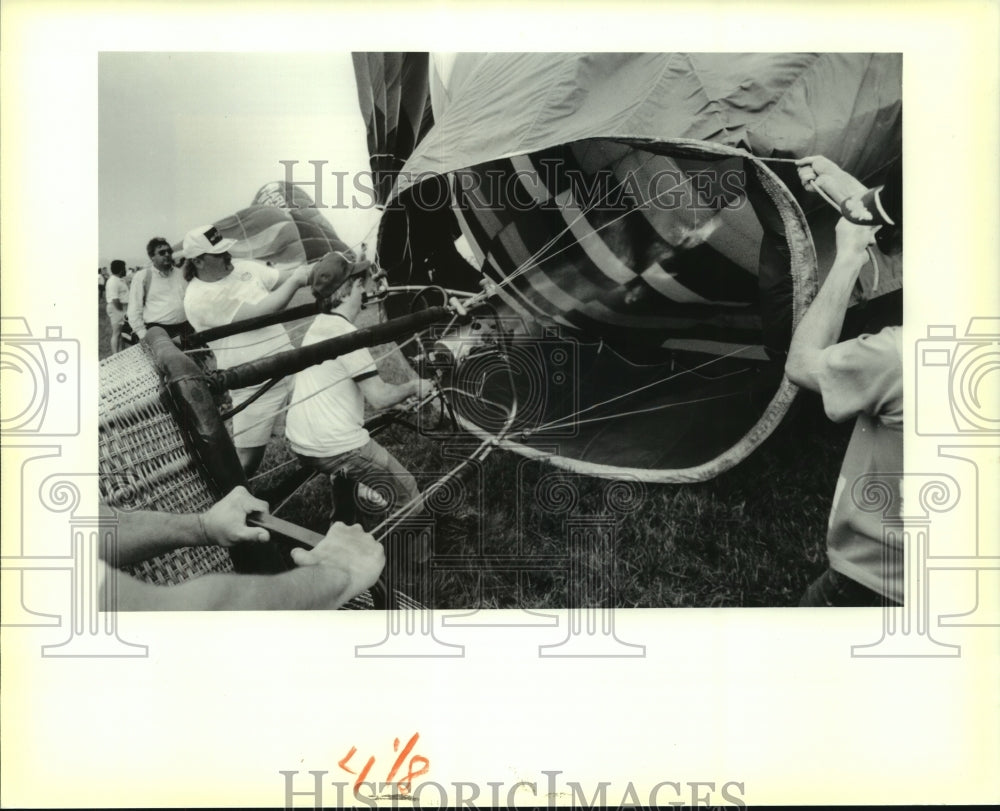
{"type": "Point", "coordinates": [144, 464]}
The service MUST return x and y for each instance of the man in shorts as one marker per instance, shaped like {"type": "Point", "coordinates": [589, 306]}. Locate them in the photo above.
{"type": "Point", "coordinates": [222, 290]}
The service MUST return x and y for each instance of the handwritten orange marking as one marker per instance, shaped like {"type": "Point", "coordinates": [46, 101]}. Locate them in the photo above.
{"type": "Point", "coordinates": [404, 785]}
{"type": "Point", "coordinates": [364, 771]}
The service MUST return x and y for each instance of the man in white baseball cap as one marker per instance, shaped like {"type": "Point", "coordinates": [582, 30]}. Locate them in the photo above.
{"type": "Point", "coordinates": [205, 239]}
{"type": "Point", "coordinates": [222, 290]}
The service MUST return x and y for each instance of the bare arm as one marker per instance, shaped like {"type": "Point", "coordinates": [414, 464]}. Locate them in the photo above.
{"type": "Point", "coordinates": [279, 297]}
{"type": "Point", "coordinates": [345, 563]}
{"type": "Point", "coordinates": [821, 325]}
{"type": "Point", "coordinates": [297, 589]}
{"type": "Point", "coordinates": [145, 534]}
{"type": "Point", "coordinates": [381, 394]}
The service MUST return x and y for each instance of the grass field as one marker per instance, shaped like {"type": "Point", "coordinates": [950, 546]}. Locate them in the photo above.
{"type": "Point", "coordinates": [753, 536]}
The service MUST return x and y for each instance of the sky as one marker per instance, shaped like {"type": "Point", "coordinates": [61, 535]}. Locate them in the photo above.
{"type": "Point", "coordinates": [185, 139]}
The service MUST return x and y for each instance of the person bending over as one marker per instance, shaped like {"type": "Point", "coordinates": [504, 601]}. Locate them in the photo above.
{"type": "Point", "coordinates": [325, 425]}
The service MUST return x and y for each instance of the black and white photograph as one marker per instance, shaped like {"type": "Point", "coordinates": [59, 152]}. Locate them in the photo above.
{"type": "Point", "coordinates": [583, 275]}
{"type": "Point", "coordinates": [510, 406]}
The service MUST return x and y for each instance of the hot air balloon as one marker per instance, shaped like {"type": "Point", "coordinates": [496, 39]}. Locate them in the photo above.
{"type": "Point", "coordinates": [281, 226]}
{"type": "Point", "coordinates": [642, 244]}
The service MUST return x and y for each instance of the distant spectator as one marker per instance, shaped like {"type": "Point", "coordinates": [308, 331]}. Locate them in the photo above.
{"type": "Point", "coordinates": [156, 298]}
{"type": "Point", "coordinates": [116, 295]}
{"type": "Point", "coordinates": [101, 282]}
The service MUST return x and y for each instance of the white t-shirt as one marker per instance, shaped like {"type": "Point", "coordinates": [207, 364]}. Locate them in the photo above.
{"type": "Point", "coordinates": [863, 378]}
{"type": "Point", "coordinates": [213, 304]}
{"type": "Point", "coordinates": [116, 289]}
{"type": "Point", "coordinates": [164, 303]}
{"type": "Point", "coordinates": [328, 409]}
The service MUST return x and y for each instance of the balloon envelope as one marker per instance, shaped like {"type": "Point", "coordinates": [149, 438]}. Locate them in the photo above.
{"type": "Point", "coordinates": [282, 226]}
{"type": "Point", "coordinates": [624, 207]}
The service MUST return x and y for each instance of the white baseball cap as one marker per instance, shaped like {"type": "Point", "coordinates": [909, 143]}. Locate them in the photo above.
{"type": "Point", "coordinates": [205, 239]}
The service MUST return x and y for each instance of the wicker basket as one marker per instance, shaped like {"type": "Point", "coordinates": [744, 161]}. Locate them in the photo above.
{"type": "Point", "coordinates": [144, 463]}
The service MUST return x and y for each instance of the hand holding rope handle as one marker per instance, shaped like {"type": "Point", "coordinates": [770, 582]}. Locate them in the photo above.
{"type": "Point", "coordinates": [187, 394]}
{"type": "Point", "coordinates": [839, 188]}
{"type": "Point", "coordinates": [306, 537]}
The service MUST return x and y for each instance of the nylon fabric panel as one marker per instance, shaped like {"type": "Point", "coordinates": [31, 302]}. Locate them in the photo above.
{"type": "Point", "coordinates": [613, 296]}
{"type": "Point", "coordinates": [791, 104]}
{"type": "Point", "coordinates": [644, 237]}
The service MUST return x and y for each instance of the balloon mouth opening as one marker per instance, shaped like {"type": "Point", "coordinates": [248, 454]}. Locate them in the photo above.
{"type": "Point", "coordinates": [649, 289]}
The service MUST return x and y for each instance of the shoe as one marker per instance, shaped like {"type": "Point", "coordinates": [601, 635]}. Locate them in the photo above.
{"type": "Point", "coordinates": [370, 498]}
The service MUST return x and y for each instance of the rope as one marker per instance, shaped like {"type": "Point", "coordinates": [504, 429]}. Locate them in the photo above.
{"type": "Point", "coordinates": [556, 424]}
{"type": "Point", "coordinates": [571, 418]}
{"type": "Point", "coordinates": [530, 264]}
{"type": "Point", "coordinates": [376, 358]}
{"type": "Point", "coordinates": [272, 470]}
{"type": "Point", "coordinates": [481, 452]}
{"type": "Point", "coordinates": [381, 530]}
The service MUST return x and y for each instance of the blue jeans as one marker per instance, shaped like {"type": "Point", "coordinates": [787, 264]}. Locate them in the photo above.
{"type": "Point", "coordinates": [834, 588]}
{"type": "Point", "coordinates": [374, 466]}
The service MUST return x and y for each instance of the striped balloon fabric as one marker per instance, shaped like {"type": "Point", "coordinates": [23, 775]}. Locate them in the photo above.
{"type": "Point", "coordinates": [621, 244]}
{"type": "Point", "coordinates": [642, 213]}
{"type": "Point", "coordinates": [282, 226]}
